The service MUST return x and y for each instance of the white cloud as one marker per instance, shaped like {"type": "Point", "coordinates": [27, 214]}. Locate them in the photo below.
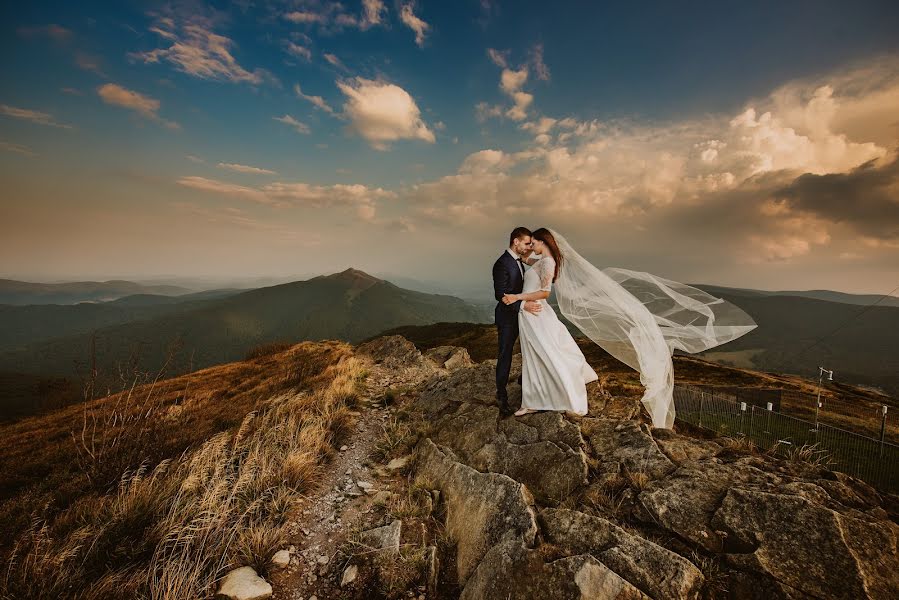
{"type": "Point", "coordinates": [407, 16]}
{"type": "Point", "coordinates": [35, 116]}
{"type": "Point", "coordinates": [330, 16]}
{"type": "Point", "coordinates": [360, 199]}
{"type": "Point", "coordinates": [372, 12]}
{"type": "Point", "coordinates": [198, 51]}
{"type": "Point", "coordinates": [145, 106]}
{"type": "Point", "coordinates": [769, 183]}
{"type": "Point", "coordinates": [499, 58]}
{"type": "Point", "coordinates": [522, 100]}
{"type": "Point", "coordinates": [305, 16]}
{"type": "Point", "coordinates": [484, 111]}
{"type": "Point", "coordinates": [511, 80]}
{"type": "Point", "coordinates": [298, 126]}
{"type": "Point", "coordinates": [334, 61]}
{"type": "Point", "coordinates": [383, 112]}
{"type": "Point", "coordinates": [317, 101]}
{"type": "Point", "coordinates": [245, 169]}
{"type": "Point", "coordinates": [299, 51]}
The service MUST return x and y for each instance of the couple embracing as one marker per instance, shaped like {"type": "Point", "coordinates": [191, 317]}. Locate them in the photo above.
{"type": "Point", "coordinates": [637, 317]}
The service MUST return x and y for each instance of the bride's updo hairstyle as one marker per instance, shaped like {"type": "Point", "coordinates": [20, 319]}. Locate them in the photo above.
{"type": "Point", "coordinates": [545, 236]}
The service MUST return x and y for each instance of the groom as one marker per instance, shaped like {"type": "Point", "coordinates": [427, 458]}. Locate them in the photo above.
{"type": "Point", "coordinates": [508, 278]}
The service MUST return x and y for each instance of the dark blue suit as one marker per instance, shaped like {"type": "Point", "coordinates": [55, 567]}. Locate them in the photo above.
{"type": "Point", "coordinates": [507, 279]}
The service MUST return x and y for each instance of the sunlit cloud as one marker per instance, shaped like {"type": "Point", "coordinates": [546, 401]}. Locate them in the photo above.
{"type": "Point", "coordinates": [418, 26]}
{"type": "Point", "coordinates": [316, 101]}
{"type": "Point", "coordinates": [296, 125]}
{"type": "Point", "coordinates": [35, 116]}
{"type": "Point", "coordinates": [17, 148]}
{"type": "Point", "coordinates": [298, 51]}
{"type": "Point", "coordinates": [245, 169]}
{"type": "Point", "coordinates": [196, 50]}
{"type": "Point", "coordinates": [145, 106]}
{"type": "Point", "coordinates": [383, 112]}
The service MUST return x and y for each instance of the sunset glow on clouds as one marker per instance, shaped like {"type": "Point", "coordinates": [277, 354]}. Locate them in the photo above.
{"type": "Point", "coordinates": [396, 136]}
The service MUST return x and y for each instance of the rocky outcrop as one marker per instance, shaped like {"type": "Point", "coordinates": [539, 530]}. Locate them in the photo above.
{"type": "Point", "coordinates": [555, 506]}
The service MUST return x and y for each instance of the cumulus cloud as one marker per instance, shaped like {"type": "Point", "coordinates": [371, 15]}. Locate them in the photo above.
{"type": "Point", "coordinates": [786, 176]}
{"type": "Point", "coordinates": [407, 16]}
{"type": "Point", "coordinates": [316, 101]}
{"type": "Point", "coordinates": [382, 112]}
{"type": "Point", "coordinates": [35, 116]}
{"type": "Point", "coordinates": [360, 199]}
{"type": "Point", "coordinates": [245, 169]}
{"type": "Point", "coordinates": [145, 106]}
{"type": "Point", "coordinates": [193, 48]}
{"type": "Point", "coordinates": [298, 126]}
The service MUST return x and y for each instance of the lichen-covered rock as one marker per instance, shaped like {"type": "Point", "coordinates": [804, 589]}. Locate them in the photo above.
{"type": "Point", "coordinates": [481, 508]}
{"type": "Point", "coordinates": [383, 538]}
{"type": "Point", "coordinates": [511, 571]}
{"type": "Point", "coordinates": [656, 571]}
{"type": "Point", "coordinates": [632, 445]}
{"type": "Point", "coordinates": [811, 548]}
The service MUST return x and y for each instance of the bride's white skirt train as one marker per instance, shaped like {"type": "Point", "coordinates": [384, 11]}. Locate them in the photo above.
{"type": "Point", "coordinates": [554, 370]}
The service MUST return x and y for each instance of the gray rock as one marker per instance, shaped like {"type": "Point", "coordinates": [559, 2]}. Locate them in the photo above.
{"type": "Point", "coordinates": [281, 559]}
{"type": "Point", "coordinates": [449, 357]}
{"type": "Point", "coordinates": [511, 570]}
{"type": "Point", "coordinates": [656, 571]}
{"type": "Point", "coordinates": [244, 584]}
{"type": "Point", "coordinates": [384, 538]}
{"type": "Point", "coordinates": [481, 508]}
{"type": "Point", "coordinates": [810, 547]}
{"type": "Point", "coordinates": [398, 463]}
{"type": "Point", "coordinates": [631, 444]}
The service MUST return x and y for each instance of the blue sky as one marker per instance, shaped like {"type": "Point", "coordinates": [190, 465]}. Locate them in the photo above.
{"type": "Point", "coordinates": [285, 138]}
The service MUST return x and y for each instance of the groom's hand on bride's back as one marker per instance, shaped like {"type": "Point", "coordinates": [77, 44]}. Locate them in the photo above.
{"type": "Point", "coordinates": [533, 307]}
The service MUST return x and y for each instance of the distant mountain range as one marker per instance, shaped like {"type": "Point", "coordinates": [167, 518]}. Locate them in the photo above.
{"type": "Point", "coordinates": [218, 326]}
{"type": "Point", "coordinates": [349, 306]}
{"type": "Point", "coordinates": [21, 293]}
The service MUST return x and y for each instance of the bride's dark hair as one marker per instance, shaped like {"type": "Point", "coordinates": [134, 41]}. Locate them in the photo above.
{"type": "Point", "coordinates": [544, 235]}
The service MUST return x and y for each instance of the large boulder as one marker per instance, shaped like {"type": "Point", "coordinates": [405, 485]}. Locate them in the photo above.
{"type": "Point", "coordinates": [811, 548]}
{"type": "Point", "coordinates": [656, 571]}
{"type": "Point", "coordinates": [631, 444]}
{"type": "Point", "coordinates": [481, 508]}
{"type": "Point", "coordinates": [510, 570]}
{"type": "Point", "coordinates": [449, 357]}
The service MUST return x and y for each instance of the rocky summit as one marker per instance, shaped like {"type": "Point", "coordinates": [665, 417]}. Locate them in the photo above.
{"type": "Point", "coordinates": [555, 506]}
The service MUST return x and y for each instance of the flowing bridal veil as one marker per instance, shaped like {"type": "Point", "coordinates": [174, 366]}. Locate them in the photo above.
{"type": "Point", "coordinates": [640, 318]}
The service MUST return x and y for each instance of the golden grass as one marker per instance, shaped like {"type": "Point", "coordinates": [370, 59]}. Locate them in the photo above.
{"type": "Point", "coordinates": [48, 463]}
{"type": "Point", "coordinates": [172, 532]}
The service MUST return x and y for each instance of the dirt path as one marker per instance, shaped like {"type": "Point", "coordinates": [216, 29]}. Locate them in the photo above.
{"type": "Point", "coordinates": [343, 502]}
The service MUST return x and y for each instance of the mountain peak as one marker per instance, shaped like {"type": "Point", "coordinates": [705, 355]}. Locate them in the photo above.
{"type": "Point", "coordinates": [355, 277]}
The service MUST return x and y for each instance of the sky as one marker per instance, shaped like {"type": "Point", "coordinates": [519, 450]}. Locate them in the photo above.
{"type": "Point", "coordinates": [729, 143]}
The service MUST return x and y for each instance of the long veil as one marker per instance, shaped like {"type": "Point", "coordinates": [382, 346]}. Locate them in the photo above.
{"type": "Point", "coordinates": [640, 318]}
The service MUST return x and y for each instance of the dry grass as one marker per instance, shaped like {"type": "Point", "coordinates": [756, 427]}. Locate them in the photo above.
{"type": "Point", "coordinates": [173, 531]}
{"type": "Point", "coordinates": [48, 463]}
{"type": "Point", "coordinates": [807, 453]}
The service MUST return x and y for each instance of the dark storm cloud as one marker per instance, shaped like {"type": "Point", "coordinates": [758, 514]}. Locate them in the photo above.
{"type": "Point", "coordinates": [866, 197]}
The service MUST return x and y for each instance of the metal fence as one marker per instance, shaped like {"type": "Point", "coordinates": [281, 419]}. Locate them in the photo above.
{"type": "Point", "coordinates": [871, 460]}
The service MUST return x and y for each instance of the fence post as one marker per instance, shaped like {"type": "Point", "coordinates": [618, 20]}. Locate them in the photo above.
{"type": "Point", "coordinates": [770, 407]}
{"type": "Point", "coordinates": [742, 414]}
{"type": "Point", "coordinates": [883, 427]}
{"type": "Point", "coordinates": [751, 418]}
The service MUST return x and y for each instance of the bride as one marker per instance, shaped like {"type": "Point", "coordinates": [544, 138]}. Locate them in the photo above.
{"type": "Point", "coordinates": [637, 317]}
{"type": "Point", "coordinates": [554, 372]}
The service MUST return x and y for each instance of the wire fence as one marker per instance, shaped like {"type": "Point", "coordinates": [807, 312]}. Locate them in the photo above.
{"type": "Point", "coordinates": [872, 460]}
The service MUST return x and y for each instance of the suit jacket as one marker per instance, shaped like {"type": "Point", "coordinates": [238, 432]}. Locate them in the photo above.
{"type": "Point", "coordinates": [507, 279]}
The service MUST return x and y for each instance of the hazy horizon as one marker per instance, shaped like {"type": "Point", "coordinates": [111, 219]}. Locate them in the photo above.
{"type": "Point", "coordinates": [743, 146]}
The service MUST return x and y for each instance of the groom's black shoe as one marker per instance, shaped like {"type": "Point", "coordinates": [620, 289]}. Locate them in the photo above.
{"type": "Point", "coordinates": [504, 409]}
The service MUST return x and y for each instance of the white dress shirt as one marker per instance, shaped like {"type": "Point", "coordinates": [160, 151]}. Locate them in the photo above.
{"type": "Point", "coordinates": [521, 268]}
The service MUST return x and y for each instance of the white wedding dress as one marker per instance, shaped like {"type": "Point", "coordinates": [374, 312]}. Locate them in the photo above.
{"type": "Point", "coordinates": [554, 370]}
